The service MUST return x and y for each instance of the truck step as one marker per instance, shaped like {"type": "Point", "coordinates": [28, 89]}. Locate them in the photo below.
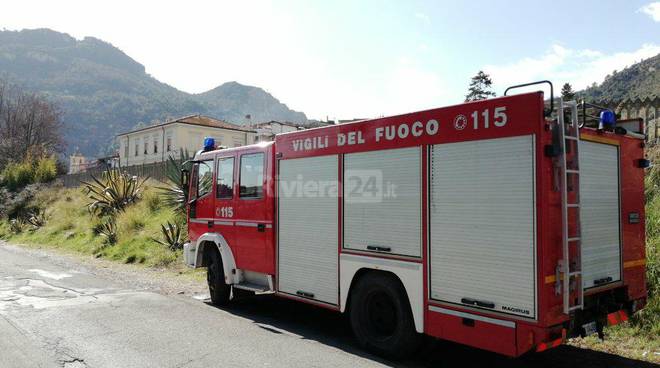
{"type": "Point", "coordinates": [253, 287]}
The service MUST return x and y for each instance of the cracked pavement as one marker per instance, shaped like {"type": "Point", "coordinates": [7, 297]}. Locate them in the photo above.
{"type": "Point", "coordinates": [60, 314]}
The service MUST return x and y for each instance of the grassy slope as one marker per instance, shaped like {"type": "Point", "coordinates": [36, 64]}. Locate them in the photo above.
{"type": "Point", "coordinates": [70, 227]}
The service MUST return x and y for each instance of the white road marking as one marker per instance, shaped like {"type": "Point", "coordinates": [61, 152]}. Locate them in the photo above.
{"type": "Point", "coordinates": [50, 275]}
{"type": "Point", "coordinates": [39, 294]}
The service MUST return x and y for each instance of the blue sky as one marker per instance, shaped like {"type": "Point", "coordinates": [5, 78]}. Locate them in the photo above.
{"type": "Point", "coordinates": [343, 59]}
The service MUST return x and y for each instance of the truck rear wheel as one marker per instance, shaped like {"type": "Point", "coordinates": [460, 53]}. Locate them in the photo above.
{"type": "Point", "coordinates": [381, 318]}
{"type": "Point", "coordinates": [215, 277]}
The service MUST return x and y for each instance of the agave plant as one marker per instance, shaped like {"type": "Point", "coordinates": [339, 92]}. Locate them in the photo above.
{"type": "Point", "coordinates": [171, 236]}
{"type": "Point", "coordinates": [17, 225]}
{"type": "Point", "coordinates": [38, 217]}
{"type": "Point", "coordinates": [175, 194]}
{"type": "Point", "coordinates": [108, 230]}
{"type": "Point", "coordinates": [113, 192]}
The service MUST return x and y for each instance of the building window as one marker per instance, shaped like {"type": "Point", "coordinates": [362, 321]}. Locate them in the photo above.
{"type": "Point", "coordinates": [169, 144]}
{"type": "Point", "coordinates": [137, 148]}
{"type": "Point", "coordinates": [252, 175]}
{"type": "Point", "coordinates": [126, 149]}
{"type": "Point", "coordinates": [155, 145]}
{"type": "Point", "coordinates": [146, 147]}
{"type": "Point", "coordinates": [225, 181]}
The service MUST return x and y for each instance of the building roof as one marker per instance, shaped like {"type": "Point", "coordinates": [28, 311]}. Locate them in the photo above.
{"type": "Point", "coordinates": [344, 121]}
{"type": "Point", "coordinates": [287, 123]}
{"type": "Point", "coordinates": [199, 120]}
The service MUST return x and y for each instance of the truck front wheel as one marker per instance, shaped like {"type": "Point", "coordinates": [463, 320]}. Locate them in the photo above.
{"type": "Point", "coordinates": [381, 318]}
{"type": "Point", "coordinates": [215, 276]}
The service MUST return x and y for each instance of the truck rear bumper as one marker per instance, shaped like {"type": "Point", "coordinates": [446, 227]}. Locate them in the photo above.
{"type": "Point", "coordinates": [592, 325]}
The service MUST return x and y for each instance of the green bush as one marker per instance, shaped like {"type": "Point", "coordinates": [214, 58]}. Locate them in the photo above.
{"type": "Point", "coordinates": [17, 175]}
{"type": "Point", "coordinates": [45, 170]}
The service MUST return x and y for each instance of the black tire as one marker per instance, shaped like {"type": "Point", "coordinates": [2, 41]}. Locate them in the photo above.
{"type": "Point", "coordinates": [381, 318]}
{"type": "Point", "coordinates": [215, 277]}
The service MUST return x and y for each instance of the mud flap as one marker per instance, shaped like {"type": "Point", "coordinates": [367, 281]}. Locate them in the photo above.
{"type": "Point", "coordinates": [617, 317]}
{"type": "Point", "coordinates": [553, 343]}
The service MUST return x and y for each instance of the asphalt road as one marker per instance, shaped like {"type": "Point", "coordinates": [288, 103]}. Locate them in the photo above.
{"type": "Point", "coordinates": [63, 313]}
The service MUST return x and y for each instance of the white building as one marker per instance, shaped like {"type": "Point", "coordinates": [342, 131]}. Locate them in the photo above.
{"type": "Point", "coordinates": [267, 131]}
{"type": "Point", "coordinates": [157, 142]}
{"type": "Point", "coordinates": [78, 163]}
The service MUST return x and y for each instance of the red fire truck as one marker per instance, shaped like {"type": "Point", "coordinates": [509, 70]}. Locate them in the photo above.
{"type": "Point", "coordinates": [501, 224]}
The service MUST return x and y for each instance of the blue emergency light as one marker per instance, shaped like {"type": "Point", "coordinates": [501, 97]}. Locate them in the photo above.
{"type": "Point", "coordinates": [607, 119]}
{"type": "Point", "coordinates": [209, 144]}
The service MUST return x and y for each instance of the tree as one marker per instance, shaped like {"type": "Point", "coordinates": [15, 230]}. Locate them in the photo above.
{"type": "Point", "coordinates": [480, 86]}
{"type": "Point", "coordinates": [567, 92]}
{"type": "Point", "coordinates": [29, 125]}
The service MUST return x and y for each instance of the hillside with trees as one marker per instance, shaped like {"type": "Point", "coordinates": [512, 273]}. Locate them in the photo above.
{"type": "Point", "coordinates": [102, 91]}
{"type": "Point", "coordinates": [638, 80]}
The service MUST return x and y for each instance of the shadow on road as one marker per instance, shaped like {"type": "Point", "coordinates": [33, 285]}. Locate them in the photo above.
{"type": "Point", "coordinates": [280, 316]}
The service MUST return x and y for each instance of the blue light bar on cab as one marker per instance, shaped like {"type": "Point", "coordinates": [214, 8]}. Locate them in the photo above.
{"type": "Point", "coordinates": [607, 119]}
{"type": "Point", "coordinates": [209, 144]}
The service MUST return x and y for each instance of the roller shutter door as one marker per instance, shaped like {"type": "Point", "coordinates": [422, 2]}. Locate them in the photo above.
{"type": "Point", "coordinates": [600, 213]}
{"type": "Point", "coordinates": [382, 201]}
{"type": "Point", "coordinates": [308, 227]}
{"type": "Point", "coordinates": [483, 223]}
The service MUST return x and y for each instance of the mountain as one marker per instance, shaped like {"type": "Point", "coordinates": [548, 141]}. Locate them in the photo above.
{"type": "Point", "coordinates": [638, 80]}
{"type": "Point", "coordinates": [102, 91]}
{"type": "Point", "coordinates": [236, 100]}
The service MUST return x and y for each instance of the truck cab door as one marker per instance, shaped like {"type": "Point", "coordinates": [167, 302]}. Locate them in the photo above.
{"type": "Point", "coordinates": [253, 217]}
{"type": "Point", "coordinates": [225, 198]}
{"type": "Point", "coordinates": [201, 204]}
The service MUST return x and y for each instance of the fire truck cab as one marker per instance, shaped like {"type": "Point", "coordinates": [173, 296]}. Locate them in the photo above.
{"type": "Point", "coordinates": [500, 224]}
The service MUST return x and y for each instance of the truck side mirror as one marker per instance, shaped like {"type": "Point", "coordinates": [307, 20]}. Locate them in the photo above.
{"type": "Point", "coordinates": [185, 178]}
